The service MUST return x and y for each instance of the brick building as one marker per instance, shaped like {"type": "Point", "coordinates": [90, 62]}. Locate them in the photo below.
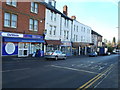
{"type": "Point", "coordinates": [22, 30]}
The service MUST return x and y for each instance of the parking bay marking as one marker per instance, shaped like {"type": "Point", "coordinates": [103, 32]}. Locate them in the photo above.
{"type": "Point", "coordinates": [15, 70]}
{"type": "Point", "coordinates": [74, 69]}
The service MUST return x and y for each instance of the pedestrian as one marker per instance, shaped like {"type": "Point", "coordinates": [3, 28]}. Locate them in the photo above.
{"type": "Point", "coordinates": [36, 54]}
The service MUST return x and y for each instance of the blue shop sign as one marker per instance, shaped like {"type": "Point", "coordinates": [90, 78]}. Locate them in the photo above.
{"type": "Point", "coordinates": [16, 35]}
{"type": "Point", "coordinates": [32, 36]}
{"type": "Point", "coordinates": [8, 39]}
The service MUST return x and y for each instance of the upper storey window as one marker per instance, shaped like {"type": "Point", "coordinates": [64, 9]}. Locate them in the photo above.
{"type": "Point", "coordinates": [11, 3]}
{"type": "Point", "coordinates": [34, 7]}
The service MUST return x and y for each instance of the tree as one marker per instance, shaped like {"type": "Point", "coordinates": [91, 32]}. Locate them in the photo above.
{"type": "Point", "coordinates": [114, 42]}
{"type": "Point", "coordinates": [118, 45]}
{"type": "Point", "coordinates": [110, 48]}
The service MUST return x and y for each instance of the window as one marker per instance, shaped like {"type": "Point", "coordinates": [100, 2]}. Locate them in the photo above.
{"type": "Point", "coordinates": [76, 37]}
{"type": "Point", "coordinates": [74, 27]}
{"type": "Point", "coordinates": [84, 29]}
{"type": "Point", "coordinates": [14, 21]}
{"type": "Point", "coordinates": [50, 30]}
{"type": "Point", "coordinates": [54, 17]}
{"type": "Point", "coordinates": [81, 28]}
{"type": "Point", "coordinates": [67, 23]}
{"type": "Point", "coordinates": [64, 34]}
{"type": "Point", "coordinates": [81, 38]}
{"type": "Point", "coordinates": [34, 7]}
{"type": "Point", "coordinates": [7, 20]}
{"type": "Point", "coordinates": [10, 20]}
{"type": "Point", "coordinates": [11, 3]}
{"type": "Point", "coordinates": [51, 16]}
{"type": "Point", "coordinates": [67, 34]}
{"type": "Point", "coordinates": [33, 25]}
{"type": "Point", "coordinates": [77, 28]}
{"type": "Point", "coordinates": [54, 30]}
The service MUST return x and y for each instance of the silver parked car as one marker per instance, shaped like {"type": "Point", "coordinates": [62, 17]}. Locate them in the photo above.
{"type": "Point", "coordinates": [93, 54]}
{"type": "Point", "coordinates": [55, 55]}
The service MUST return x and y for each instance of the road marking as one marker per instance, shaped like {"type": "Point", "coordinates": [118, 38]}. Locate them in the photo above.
{"type": "Point", "coordinates": [15, 70]}
{"type": "Point", "coordinates": [103, 79]}
{"type": "Point", "coordinates": [74, 69]}
{"type": "Point", "coordinates": [93, 80]}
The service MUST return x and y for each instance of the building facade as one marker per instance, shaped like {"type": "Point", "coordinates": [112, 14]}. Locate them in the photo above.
{"type": "Point", "coordinates": [52, 27]}
{"type": "Point", "coordinates": [81, 38]}
{"type": "Point", "coordinates": [22, 28]}
{"type": "Point", "coordinates": [96, 40]}
{"type": "Point", "coordinates": [65, 32]}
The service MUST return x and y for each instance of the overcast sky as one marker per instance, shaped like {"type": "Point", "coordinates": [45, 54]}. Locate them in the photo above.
{"type": "Point", "coordinates": [100, 15]}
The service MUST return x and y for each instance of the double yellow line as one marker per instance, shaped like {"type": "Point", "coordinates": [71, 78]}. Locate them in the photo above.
{"type": "Point", "coordinates": [93, 80]}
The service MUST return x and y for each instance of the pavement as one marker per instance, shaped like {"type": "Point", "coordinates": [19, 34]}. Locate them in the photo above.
{"type": "Point", "coordinates": [15, 58]}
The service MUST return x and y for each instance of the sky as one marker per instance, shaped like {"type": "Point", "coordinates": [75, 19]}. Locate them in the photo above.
{"type": "Point", "coordinates": [100, 15]}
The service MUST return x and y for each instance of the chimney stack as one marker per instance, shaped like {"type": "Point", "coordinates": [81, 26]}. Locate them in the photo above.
{"type": "Point", "coordinates": [65, 10]}
{"type": "Point", "coordinates": [52, 3]}
{"type": "Point", "coordinates": [73, 17]}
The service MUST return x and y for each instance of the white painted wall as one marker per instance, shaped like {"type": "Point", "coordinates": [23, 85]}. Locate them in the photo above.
{"type": "Point", "coordinates": [94, 39]}
{"type": "Point", "coordinates": [65, 29]}
{"type": "Point", "coordinates": [53, 23]}
{"type": "Point", "coordinates": [83, 32]}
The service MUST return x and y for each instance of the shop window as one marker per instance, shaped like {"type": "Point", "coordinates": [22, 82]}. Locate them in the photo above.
{"type": "Point", "coordinates": [10, 20]}
{"type": "Point", "coordinates": [34, 7]}
{"type": "Point", "coordinates": [11, 3]}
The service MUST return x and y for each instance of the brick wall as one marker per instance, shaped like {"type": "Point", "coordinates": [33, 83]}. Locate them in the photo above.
{"type": "Point", "coordinates": [23, 12]}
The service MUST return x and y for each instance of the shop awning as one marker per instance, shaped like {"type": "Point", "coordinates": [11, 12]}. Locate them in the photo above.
{"type": "Point", "coordinates": [53, 42]}
{"type": "Point", "coordinates": [8, 39]}
{"type": "Point", "coordinates": [76, 44]}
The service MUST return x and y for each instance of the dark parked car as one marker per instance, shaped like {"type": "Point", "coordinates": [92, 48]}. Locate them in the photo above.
{"type": "Point", "coordinates": [93, 54]}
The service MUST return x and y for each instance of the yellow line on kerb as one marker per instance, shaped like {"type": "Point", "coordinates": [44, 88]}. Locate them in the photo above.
{"type": "Point", "coordinates": [93, 80]}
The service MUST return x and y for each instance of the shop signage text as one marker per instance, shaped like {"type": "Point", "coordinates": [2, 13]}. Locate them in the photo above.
{"type": "Point", "coordinates": [6, 34]}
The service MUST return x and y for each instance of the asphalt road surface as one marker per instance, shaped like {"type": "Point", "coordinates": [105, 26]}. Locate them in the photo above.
{"type": "Point", "coordinates": [76, 72]}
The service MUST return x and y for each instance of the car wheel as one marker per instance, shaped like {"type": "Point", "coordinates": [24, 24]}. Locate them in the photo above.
{"type": "Point", "coordinates": [56, 58]}
{"type": "Point", "coordinates": [65, 58]}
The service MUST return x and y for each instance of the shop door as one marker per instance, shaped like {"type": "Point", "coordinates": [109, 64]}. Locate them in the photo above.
{"type": "Point", "coordinates": [23, 49]}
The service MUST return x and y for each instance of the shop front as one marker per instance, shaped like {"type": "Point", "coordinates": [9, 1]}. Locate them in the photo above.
{"type": "Point", "coordinates": [66, 48]}
{"type": "Point", "coordinates": [75, 48]}
{"type": "Point", "coordinates": [21, 45]}
{"type": "Point", "coordinates": [52, 45]}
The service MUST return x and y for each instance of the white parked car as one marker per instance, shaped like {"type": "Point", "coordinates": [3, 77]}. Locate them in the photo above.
{"type": "Point", "coordinates": [55, 55]}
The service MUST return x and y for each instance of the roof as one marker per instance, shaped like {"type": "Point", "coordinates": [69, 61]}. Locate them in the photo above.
{"type": "Point", "coordinates": [48, 6]}
{"type": "Point", "coordinates": [93, 32]}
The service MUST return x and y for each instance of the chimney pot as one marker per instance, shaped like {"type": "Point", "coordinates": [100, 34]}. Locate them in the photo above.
{"type": "Point", "coordinates": [65, 10]}
{"type": "Point", "coordinates": [73, 17]}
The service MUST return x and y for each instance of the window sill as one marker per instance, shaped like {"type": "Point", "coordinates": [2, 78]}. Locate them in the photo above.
{"type": "Point", "coordinates": [11, 5]}
{"type": "Point", "coordinates": [34, 12]}
{"type": "Point", "coordinates": [10, 27]}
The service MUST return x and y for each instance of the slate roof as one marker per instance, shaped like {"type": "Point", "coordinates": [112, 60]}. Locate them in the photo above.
{"type": "Point", "coordinates": [93, 32]}
{"type": "Point", "coordinates": [48, 6]}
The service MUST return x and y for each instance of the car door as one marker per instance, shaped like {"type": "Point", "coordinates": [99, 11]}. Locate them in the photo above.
{"type": "Point", "coordinates": [59, 54]}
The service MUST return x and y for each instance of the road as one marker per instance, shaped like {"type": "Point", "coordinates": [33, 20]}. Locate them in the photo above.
{"type": "Point", "coordinates": [75, 72]}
